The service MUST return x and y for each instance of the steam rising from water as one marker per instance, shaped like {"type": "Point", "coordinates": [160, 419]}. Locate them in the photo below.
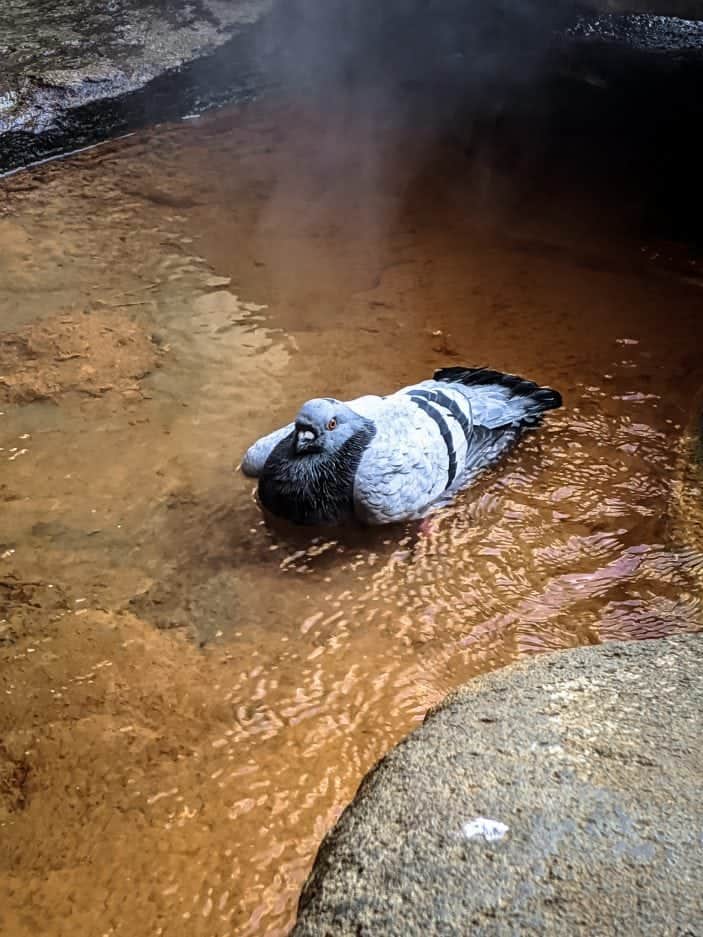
{"type": "Point", "coordinates": [447, 69]}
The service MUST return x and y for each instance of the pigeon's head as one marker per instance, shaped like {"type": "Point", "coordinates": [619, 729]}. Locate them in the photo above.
{"type": "Point", "coordinates": [325, 424]}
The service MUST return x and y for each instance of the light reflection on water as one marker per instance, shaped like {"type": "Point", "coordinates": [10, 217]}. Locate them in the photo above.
{"type": "Point", "coordinates": [155, 786]}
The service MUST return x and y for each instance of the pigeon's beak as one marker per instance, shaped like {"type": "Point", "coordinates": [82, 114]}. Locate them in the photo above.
{"type": "Point", "coordinates": [304, 439]}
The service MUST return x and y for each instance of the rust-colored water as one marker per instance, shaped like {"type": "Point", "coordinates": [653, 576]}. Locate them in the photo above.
{"type": "Point", "coordinates": [177, 780]}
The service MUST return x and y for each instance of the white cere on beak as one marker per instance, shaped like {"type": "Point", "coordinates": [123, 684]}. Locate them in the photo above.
{"type": "Point", "coordinates": [305, 435]}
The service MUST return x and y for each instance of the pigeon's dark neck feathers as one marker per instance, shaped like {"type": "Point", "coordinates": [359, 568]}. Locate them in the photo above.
{"type": "Point", "coordinates": [317, 488]}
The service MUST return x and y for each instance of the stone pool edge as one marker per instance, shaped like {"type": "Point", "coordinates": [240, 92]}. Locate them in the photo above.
{"type": "Point", "coordinates": [147, 63]}
{"type": "Point", "coordinates": [59, 108]}
{"type": "Point", "coordinates": [591, 757]}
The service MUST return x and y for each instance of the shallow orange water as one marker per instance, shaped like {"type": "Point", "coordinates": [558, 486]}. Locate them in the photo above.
{"type": "Point", "coordinates": [190, 697]}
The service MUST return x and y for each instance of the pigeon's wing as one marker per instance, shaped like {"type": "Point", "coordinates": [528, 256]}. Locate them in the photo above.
{"type": "Point", "coordinates": [489, 416]}
{"type": "Point", "coordinates": [257, 454]}
{"type": "Point", "coordinates": [499, 406]}
{"type": "Point", "coordinates": [405, 467]}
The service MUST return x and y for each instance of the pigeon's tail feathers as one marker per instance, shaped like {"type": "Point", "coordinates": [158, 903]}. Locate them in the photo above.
{"type": "Point", "coordinates": [499, 399]}
{"type": "Point", "coordinates": [548, 398]}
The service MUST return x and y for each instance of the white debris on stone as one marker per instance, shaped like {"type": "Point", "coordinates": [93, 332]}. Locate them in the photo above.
{"type": "Point", "coordinates": [490, 830]}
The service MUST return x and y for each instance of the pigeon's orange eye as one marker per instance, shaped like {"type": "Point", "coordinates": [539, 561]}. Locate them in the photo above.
{"type": "Point", "coordinates": [332, 423]}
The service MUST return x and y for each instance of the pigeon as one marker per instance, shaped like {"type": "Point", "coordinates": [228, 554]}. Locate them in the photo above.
{"type": "Point", "coordinates": [384, 460]}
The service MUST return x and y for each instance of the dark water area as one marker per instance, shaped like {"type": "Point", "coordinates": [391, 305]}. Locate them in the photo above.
{"type": "Point", "coordinates": [190, 696]}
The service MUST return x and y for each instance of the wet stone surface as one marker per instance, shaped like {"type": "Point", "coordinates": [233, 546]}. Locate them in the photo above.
{"type": "Point", "coordinates": [642, 32]}
{"type": "Point", "coordinates": [592, 761]}
{"type": "Point", "coordinates": [77, 72]}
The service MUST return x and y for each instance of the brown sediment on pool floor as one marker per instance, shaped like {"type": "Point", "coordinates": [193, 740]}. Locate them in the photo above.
{"type": "Point", "coordinates": [79, 352]}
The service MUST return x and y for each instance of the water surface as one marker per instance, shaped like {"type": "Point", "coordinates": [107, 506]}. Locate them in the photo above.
{"type": "Point", "coordinates": [191, 697]}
